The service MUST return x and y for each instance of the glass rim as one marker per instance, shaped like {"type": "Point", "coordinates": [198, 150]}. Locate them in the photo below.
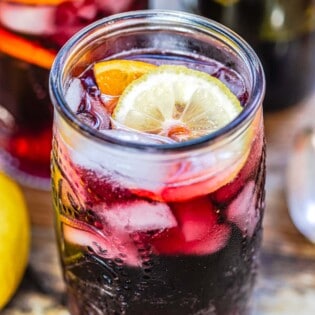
{"type": "Point", "coordinates": [199, 23]}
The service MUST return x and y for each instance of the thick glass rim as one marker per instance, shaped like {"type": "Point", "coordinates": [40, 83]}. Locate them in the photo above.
{"type": "Point", "coordinates": [199, 23]}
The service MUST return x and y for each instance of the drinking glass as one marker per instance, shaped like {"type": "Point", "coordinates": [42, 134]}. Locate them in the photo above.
{"type": "Point", "coordinates": [157, 228]}
{"type": "Point", "coordinates": [31, 32]}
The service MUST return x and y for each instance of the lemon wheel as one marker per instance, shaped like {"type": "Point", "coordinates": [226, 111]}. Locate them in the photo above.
{"type": "Point", "coordinates": [176, 102]}
{"type": "Point", "coordinates": [181, 104]}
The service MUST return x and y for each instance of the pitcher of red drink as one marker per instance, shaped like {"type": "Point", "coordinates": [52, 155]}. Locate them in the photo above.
{"type": "Point", "coordinates": [31, 33]}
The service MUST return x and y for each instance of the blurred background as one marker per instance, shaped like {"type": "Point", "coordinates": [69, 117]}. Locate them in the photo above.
{"type": "Point", "coordinates": [282, 32]}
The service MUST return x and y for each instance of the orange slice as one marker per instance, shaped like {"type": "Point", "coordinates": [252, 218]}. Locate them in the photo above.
{"type": "Point", "coordinates": [113, 76]}
{"type": "Point", "coordinates": [38, 2]}
{"type": "Point", "coordinates": [25, 50]}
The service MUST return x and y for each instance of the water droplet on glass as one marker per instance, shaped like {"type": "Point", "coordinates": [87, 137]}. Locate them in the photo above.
{"type": "Point", "coordinates": [107, 279]}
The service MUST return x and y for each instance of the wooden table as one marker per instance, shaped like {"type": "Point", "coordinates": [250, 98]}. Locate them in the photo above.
{"type": "Point", "coordinates": [286, 282]}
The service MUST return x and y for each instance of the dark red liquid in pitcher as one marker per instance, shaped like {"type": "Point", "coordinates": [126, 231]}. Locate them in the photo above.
{"type": "Point", "coordinates": [30, 36]}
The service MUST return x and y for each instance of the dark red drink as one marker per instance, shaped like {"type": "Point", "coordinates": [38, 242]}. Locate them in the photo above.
{"type": "Point", "coordinates": [152, 221]}
{"type": "Point", "coordinates": [31, 32]}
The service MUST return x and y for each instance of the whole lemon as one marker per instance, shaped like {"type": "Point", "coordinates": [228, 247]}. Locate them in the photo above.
{"type": "Point", "coordinates": [14, 238]}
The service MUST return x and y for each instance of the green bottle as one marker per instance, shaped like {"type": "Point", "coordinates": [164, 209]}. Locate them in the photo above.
{"type": "Point", "coordinates": [282, 32]}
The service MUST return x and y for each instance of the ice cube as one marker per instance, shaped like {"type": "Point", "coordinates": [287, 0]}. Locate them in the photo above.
{"type": "Point", "coordinates": [232, 80]}
{"type": "Point", "coordinates": [197, 218]}
{"type": "Point", "coordinates": [74, 94]}
{"type": "Point", "coordinates": [114, 6]}
{"type": "Point", "coordinates": [212, 243]}
{"type": "Point", "coordinates": [121, 247]}
{"type": "Point", "coordinates": [136, 137]}
{"type": "Point", "coordinates": [174, 241]}
{"type": "Point", "coordinates": [7, 120]}
{"type": "Point", "coordinates": [86, 10]}
{"type": "Point", "coordinates": [198, 221]}
{"type": "Point", "coordinates": [141, 172]}
{"type": "Point", "coordinates": [140, 216]}
{"type": "Point", "coordinates": [242, 211]}
{"type": "Point", "coordinates": [33, 20]}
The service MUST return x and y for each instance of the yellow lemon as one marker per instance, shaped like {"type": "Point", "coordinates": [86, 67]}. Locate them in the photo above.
{"type": "Point", "coordinates": [15, 238]}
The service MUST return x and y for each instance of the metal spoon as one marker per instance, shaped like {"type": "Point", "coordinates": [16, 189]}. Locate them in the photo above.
{"type": "Point", "coordinates": [301, 183]}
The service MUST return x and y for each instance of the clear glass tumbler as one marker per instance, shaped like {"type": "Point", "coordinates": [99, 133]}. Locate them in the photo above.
{"type": "Point", "coordinates": [157, 228]}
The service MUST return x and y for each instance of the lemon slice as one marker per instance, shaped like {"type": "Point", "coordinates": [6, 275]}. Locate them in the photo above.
{"type": "Point", "coordinates": [176, 102]}
{"type": "Point", "coordinates": [182, 104]}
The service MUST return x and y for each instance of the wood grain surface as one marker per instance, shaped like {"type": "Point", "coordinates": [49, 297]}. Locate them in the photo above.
{"type": "Point", "coordinates": [286, 281]}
